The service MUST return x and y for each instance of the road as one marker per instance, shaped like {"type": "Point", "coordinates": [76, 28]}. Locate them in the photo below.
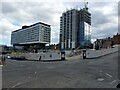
{"type": "Point", "coordinates": [88, 73]}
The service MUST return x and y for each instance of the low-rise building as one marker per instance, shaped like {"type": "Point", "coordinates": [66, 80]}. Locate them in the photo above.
{"type": "Point", "coordinates": [116, 39]}
{"type": "Point", "coordinates": [103, 43]}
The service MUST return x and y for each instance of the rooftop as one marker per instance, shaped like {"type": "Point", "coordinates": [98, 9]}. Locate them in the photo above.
{"type": "Point", "coordinates": [24, 27]}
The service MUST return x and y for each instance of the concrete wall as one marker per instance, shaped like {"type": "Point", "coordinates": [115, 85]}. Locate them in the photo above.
{"type": "Point", "coordinates": [99, 53]}
{"type": "Point", "coordinates": [44, 56]}
{"type": "Point", "coordinates": [68, 52]}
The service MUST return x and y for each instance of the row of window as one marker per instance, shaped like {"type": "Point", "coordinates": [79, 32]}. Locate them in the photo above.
{"type": "Point", "coordinates": [31, 34]}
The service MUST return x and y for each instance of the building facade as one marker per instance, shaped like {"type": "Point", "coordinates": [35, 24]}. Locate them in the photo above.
{"type": "Point", "coordinates": [75, 29]}
{"type": "Point", "coordinates": [68, 29]}
{"type": "Point", "coordinates": [103, 43]}
{"type": "Point", "coordinates": [116, 39]}
{"type": "Point", "coordinates": [107, 42]}
{"type": "Point", "coordinates": [37, 35]}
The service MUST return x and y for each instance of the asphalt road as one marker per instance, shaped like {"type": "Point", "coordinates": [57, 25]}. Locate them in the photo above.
{"type": "Point", "coordinates": [88, 73]}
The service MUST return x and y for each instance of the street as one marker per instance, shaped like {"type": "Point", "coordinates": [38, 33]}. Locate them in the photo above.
{"type": "Point", "coordinates": [88, 73]}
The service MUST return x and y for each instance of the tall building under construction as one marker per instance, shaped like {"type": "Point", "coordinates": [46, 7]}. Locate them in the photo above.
{"type": "Point", "coordinates": [75, 29]}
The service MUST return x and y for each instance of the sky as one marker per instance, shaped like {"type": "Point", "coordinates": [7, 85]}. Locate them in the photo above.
{"type": "Point", "coordinates": [16, 13]}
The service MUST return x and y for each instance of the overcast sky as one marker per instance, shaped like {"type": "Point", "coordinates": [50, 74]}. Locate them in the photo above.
{"type": "Point", "coordinates": [15, 14]}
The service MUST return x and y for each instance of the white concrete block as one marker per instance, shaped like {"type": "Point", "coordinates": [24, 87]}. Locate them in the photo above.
{"type": "Point", "coordinates": [98, 53]}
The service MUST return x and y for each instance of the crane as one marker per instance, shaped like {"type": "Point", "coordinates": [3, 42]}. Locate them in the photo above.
{"type": "Point", "coordinates": [85, 4]}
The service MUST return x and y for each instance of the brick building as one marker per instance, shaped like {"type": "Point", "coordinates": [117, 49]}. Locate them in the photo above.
{"type": "Point", "coordinates": [116, 39]}
{"type": "Point", "coordinates": [107, 42]}
{"type": "Point", "coordinates": [103, 43]}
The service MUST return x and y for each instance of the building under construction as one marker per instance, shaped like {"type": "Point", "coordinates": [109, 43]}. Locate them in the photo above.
{"type": "Point", "coordinates": [75, 29]}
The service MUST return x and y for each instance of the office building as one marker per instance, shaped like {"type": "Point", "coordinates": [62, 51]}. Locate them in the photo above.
{"type": "Point", "coordinates": [75, 29]}
{"type": "Point", "coordinates": [36, 35]}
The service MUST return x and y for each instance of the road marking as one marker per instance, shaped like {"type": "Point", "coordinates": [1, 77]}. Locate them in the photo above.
{"type": "Point", "coordinates": [100, 71]}
{"type": "Point", "coordinates": [109, 75]}
{"type": "Point", "coordinates": [114, 81]}
{"type": "Point", "coordinates": [16, 85]}
{"type": "Point", "coordinates": [35, 72]}
{"type": "Point", "coordinates": [24, 82]}
{"type": "Point", "coordinates": [29, 77]}
{"type": "Point", "coordinates": [100, 79]}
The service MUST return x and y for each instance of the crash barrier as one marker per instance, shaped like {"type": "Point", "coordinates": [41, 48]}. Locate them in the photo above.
{"type": "Point", "coordinates": [98, 53]}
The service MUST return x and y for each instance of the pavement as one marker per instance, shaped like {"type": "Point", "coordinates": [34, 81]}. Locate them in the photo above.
{"type": "Point", "coordinates": [75, 57]}
{"type": "Point", "coordinates": [73, 73]}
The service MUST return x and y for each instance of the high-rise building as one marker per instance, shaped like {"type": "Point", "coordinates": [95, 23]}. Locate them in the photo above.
{"type": "Point", "coordinates": [75, 29]}
{"type": "Point", "coordinates": [37, 34]}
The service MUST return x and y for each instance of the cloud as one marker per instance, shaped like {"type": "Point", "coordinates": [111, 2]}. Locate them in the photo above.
{"type": "Point", "coordinates": [108, 32]}
{"type": "Point", "coordinates": [55, 35]}
{"type": "Point", "coordinates": [104, 19]}
{"type": "Point", "coordinates": [97, 18]}
{"type": "Point", "coordinates": [15, 14]}
{"type": "Point", "coordinates": [8, 8]}
{"type": "Point", "coordinates": [5, 31]}
{"type": "Point", "coordinates": [19, 14]}
{"type": "Point", "coordinates": [119, 17]}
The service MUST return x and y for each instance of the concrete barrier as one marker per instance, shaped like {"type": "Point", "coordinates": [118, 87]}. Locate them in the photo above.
{"type": "Point", "coordinates": [99, 53]}
{"type": "Point", "coordinates": [40, 56]}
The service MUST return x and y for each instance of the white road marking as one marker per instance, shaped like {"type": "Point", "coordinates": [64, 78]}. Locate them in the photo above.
{"type": "Point", "coordinates": [100, 71]}
{"type": "Point", "coordinates": [23, 82]}
{"type": "Point", "coordinates": [114, 81]}
{"type": "Point", "coordinates": [29, 77]}
{"type": "Point", "coordinates": [16, 85]}
{"type": "Point", "coordinates": [109, 75]}
{"type": "Point", "coordinates": [100, 79]}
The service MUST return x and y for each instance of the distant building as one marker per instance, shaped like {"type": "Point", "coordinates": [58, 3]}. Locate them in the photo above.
{"type": "Point", "coordinates": [116, 39]}
{"type": "Point", "coordinates": [75, 29]}
{"type": "Point", "coordinates": [4, 48]}
{"type": "Point", "coordinates": [1, 48]}
{"type": "Point", "coordinates": [107, 42]}
{"type": "Point", "coordinates": [33, 36]}
{"type": "Point", "coordinates": [53, 47]}
{"type": "Point", "coordinates": [103, 43]}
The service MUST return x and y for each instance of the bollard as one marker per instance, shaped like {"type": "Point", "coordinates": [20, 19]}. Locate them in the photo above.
{"type": "Point", "coordinates": [84, 54]}
{"type": "Point", "coordinates": [62, 55]}
{"type": "Point", "coordinates": [3, 60]}
{"type": "Point", "coordinates": [81, 55]}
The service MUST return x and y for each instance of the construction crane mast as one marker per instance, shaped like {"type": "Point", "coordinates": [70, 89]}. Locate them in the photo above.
{"type": "Point", "coordinates": [86, 4]}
